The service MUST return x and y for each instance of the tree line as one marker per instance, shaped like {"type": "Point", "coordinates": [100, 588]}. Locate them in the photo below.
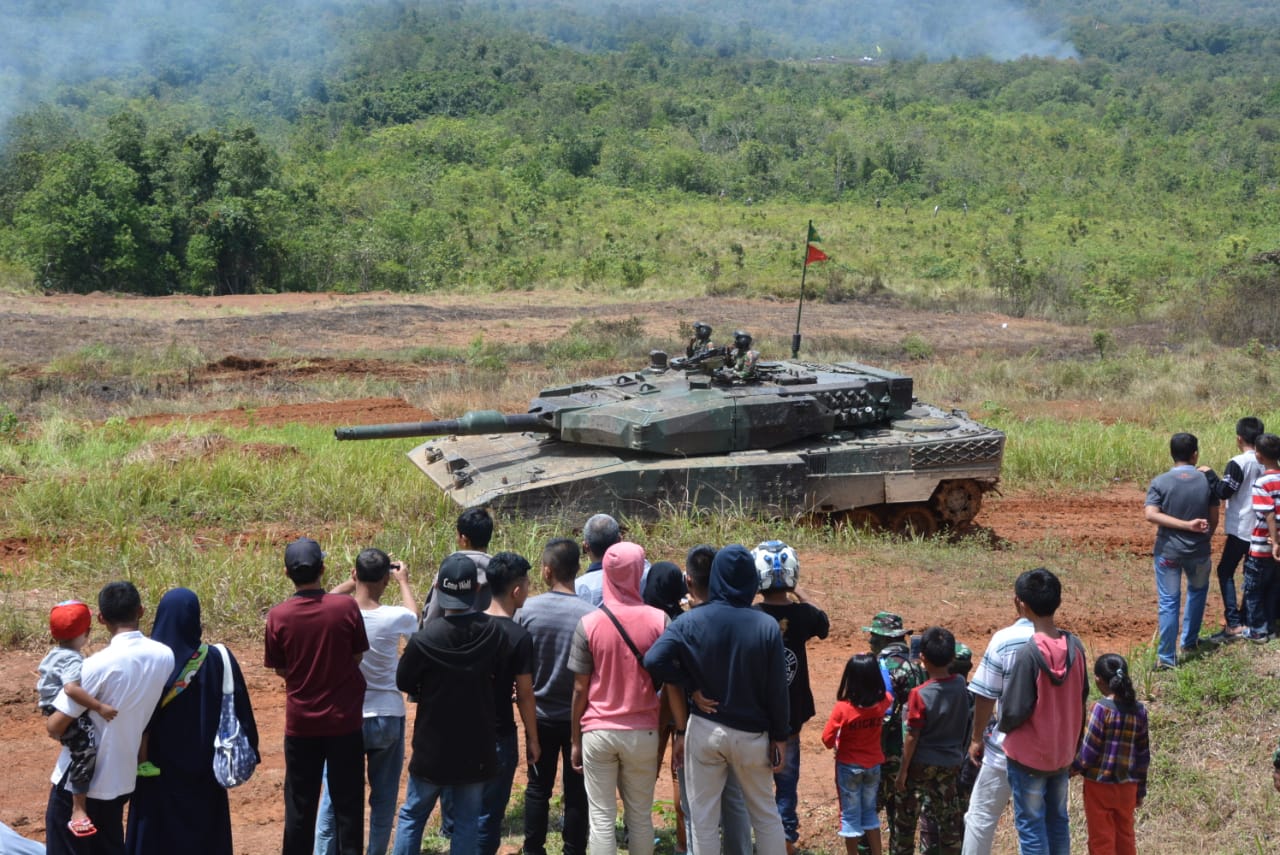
{"type": "Point", "coordinates": [452, 148]}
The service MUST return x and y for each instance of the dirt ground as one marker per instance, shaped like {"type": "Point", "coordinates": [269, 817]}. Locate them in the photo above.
{"type": "Point", "coordinates": [264, 336]}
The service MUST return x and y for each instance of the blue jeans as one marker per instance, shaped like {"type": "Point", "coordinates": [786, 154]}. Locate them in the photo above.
{"type": "Point", "coordinates": [497, 792]}
{"type": "Point", "coordinates": [420, 797]}
{"type": "Point", "coordinates": [1259, 580]}
{"type": "Point", "coordinates": [858, 789]}
{"type": "Point", "coordinates": [1168, 591]}
{"type": "Point", "coordinates": [1040, 811]}
{"type": "Point", "coordinates": [784, 788]}
{"type": "Point", "coordinates": [384, 758]}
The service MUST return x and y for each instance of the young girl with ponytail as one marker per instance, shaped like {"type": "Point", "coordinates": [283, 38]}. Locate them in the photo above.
{"type": "Point", "coordinates": [1113, 759]}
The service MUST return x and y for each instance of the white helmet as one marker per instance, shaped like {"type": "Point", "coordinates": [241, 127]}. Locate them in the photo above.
{"type": "Point", "coordinates": [776, 565]}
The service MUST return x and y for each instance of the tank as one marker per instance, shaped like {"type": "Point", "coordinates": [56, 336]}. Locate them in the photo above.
{"type": "Point", "coordinates": [845, 441]}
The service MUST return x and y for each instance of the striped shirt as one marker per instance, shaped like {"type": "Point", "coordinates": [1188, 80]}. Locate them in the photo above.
{"type": "Point", "coordinates": [988, 681]}
{"type": "Point", "coordinates": [1266, 497]}
{"type": "Point", "coordinates": [551, 619]}
{"type": "Point", "coordinates": [1115, 748]}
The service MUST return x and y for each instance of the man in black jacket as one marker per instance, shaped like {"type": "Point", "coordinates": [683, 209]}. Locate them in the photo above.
{"type": "Point", "coordinates": [732, 655]}
{"type": "Point", "coordinates": [448, 668]}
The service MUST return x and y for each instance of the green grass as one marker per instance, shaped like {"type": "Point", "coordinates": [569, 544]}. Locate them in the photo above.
{"type": "Point", "coordinates": [209, 506]}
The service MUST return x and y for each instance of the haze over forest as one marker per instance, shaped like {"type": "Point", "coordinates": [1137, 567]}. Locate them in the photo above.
{"type": "Point", "coordinates": [1113, 153]}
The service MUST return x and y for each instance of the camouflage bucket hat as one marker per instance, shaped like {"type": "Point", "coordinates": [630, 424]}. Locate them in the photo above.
{"type": "Point", "coordinates": [887, 624]}
{"type": "Point", "coordinates": [963, 653]}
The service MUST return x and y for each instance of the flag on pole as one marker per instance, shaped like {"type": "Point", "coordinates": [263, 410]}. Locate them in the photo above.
{"type": "Point", "coordinates": [814, 237]}
{"type": "Point", "coordinates": [814, 255]}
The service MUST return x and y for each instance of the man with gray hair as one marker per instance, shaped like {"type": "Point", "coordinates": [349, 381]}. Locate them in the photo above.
{"type": "Point", "coordinates": [600, 532]}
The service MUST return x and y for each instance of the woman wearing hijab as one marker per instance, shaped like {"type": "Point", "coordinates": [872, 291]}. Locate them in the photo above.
{"type": "Point", "coordinates": [183, 808]}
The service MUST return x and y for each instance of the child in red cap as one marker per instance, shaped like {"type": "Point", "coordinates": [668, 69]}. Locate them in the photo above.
{"type": "Point", "coordinates": [69, 624]}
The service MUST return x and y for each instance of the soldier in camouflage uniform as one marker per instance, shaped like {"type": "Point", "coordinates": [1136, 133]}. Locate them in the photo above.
{"type": "Point", "coordinates": [742, 359]}
{"type": "Point", "coordinates": [889, 644]}
{"type": "Point", "coordinates": [701, 341]}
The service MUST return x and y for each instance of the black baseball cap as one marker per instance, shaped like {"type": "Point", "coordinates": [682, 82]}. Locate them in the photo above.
{"type": "Point", "coordinates": [303, 552]}
{"type": "Point", "coordinates": [457, 582]}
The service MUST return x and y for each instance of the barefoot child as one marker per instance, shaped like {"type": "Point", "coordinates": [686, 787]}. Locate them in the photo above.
{"type": "Point", "coordinates": [1113, 759]}
{"type": "Point", "coordinates": [854, 732]}
{"type": "Point", "coordinates": [60, 670]}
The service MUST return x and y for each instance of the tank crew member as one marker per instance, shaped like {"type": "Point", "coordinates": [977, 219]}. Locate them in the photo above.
{"type": "Point", "coordinates": [742, 359]}
{"type": "Point", "coordinates": [701, 341]}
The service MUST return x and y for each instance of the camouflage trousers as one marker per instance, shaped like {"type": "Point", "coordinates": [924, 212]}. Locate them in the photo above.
{"type": "Point", "coordinates": [933, 789]}
{"type": "Point", "coordinates": [968, 774]}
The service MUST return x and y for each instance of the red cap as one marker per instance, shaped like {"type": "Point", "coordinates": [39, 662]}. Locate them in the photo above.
{"type": "Point", "coordinates": [70, 619]}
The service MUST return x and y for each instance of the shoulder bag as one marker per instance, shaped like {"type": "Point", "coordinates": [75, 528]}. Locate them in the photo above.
{"type": "Point", "coordinates": [657, 684]}
{"type": "Point", "coordinates": [233, 757]}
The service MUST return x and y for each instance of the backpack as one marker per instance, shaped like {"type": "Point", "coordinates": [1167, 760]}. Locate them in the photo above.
{"type": "Point", "coordinates": [905, 675]}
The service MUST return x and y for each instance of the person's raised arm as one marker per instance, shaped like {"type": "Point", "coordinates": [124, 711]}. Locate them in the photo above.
{"type": "Point", "coordinates": [400, 573]}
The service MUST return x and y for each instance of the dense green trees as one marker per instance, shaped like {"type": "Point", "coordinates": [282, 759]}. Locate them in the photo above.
{"type": "Point", "coordinates": [448, 149]}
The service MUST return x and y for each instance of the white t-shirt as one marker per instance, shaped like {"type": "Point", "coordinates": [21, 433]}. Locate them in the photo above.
{"type": "Point", "coordinates": [385, 626]}
{"type": "Point", "coordinates": [130, 675]}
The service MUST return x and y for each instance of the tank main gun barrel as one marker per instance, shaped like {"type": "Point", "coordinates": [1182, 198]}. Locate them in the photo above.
{"type": "Point", "coordinates": [478, 422]}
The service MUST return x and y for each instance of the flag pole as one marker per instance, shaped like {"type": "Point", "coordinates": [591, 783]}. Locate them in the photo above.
{"type": "Point", "coordinates": [804, 270]}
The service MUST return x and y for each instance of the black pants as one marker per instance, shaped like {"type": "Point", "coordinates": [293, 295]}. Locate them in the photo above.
{"type": "Point", "coordinates": [304, 762]}
{"type": "Point", "coordinates": [1233, 552]}
{"type": "Point", "coordinates": [554, 739]}
{"type": "Point", "coordinates": [107, 816]}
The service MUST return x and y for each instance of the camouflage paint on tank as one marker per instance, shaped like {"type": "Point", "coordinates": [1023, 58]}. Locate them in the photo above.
{"type": "Point", "coordinates": [805, 438]}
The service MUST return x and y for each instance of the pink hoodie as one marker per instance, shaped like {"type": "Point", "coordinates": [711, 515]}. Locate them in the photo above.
{"type": "Point", "coordinates": [620, 695]}
{"type": "Point", "coordinates": [1049, 682]}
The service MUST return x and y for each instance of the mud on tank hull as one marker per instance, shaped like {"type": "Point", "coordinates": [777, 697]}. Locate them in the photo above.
{"type": "Point", "coordinates": [927, 469]}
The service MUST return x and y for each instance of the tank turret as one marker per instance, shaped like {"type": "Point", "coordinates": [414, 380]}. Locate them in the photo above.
{"type": "Point", "coordinates": [800, 437]}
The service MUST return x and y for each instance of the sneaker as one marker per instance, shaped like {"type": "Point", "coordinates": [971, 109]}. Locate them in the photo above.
{"type": "Point", "coordinates": [1228, 634]}
{"type": "Point", "coordinates": [1260, 638]}
{"type": "Point", "coordinates": [1163, 666]}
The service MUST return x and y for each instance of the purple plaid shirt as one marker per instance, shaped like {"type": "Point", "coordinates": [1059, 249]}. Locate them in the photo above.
{"type": "Point", "coordinates": [1115, 748]}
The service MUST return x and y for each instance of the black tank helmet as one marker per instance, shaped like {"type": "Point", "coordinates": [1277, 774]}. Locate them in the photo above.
{"type": "Point", "coordinates": [742, 340]}
{"type": "Point", "coordinates": [702, 330]}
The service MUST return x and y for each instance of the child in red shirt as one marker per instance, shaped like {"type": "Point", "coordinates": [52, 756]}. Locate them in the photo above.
{"type": "Point", "coordinates": [854, 731]}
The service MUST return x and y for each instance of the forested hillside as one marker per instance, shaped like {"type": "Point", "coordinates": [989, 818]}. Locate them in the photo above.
{"type": "Point", "coordinates": [1090, 157]}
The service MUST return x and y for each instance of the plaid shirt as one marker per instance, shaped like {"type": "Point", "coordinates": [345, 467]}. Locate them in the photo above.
{"type": "Point", "coordinates": [1115, 748]}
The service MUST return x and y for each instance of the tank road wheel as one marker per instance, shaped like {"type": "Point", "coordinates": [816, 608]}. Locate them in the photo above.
{"type": "Point", "coordinates": [957, 502]}
{"type": "Point", "coordinates": [859, 519]}
{"type": "Point", "coordinates": [914, 520]}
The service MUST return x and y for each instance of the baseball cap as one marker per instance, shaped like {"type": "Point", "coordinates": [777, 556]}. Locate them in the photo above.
{"type": "Point", "coordinates": [69, 619]}
{"type": "Point", "coordinates": [887, 624]}
{"type": "Point", "coordinates": [303, 552]}
{"type": "Point", "coordinates": [457, 583]}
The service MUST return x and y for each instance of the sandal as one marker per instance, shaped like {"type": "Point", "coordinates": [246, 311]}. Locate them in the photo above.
{"type": "Point", "coordinates": [82, 827]}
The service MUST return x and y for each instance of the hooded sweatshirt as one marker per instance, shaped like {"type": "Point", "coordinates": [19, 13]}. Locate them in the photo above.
{"type": "Point", "coordinates": [730, 651]}
{"type": "Point", "coordinates": [448, 667]}
{"type": "Point", "coordinates": [620, 695]}
{"type": "Point", "coordinates": [1042, 708]}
